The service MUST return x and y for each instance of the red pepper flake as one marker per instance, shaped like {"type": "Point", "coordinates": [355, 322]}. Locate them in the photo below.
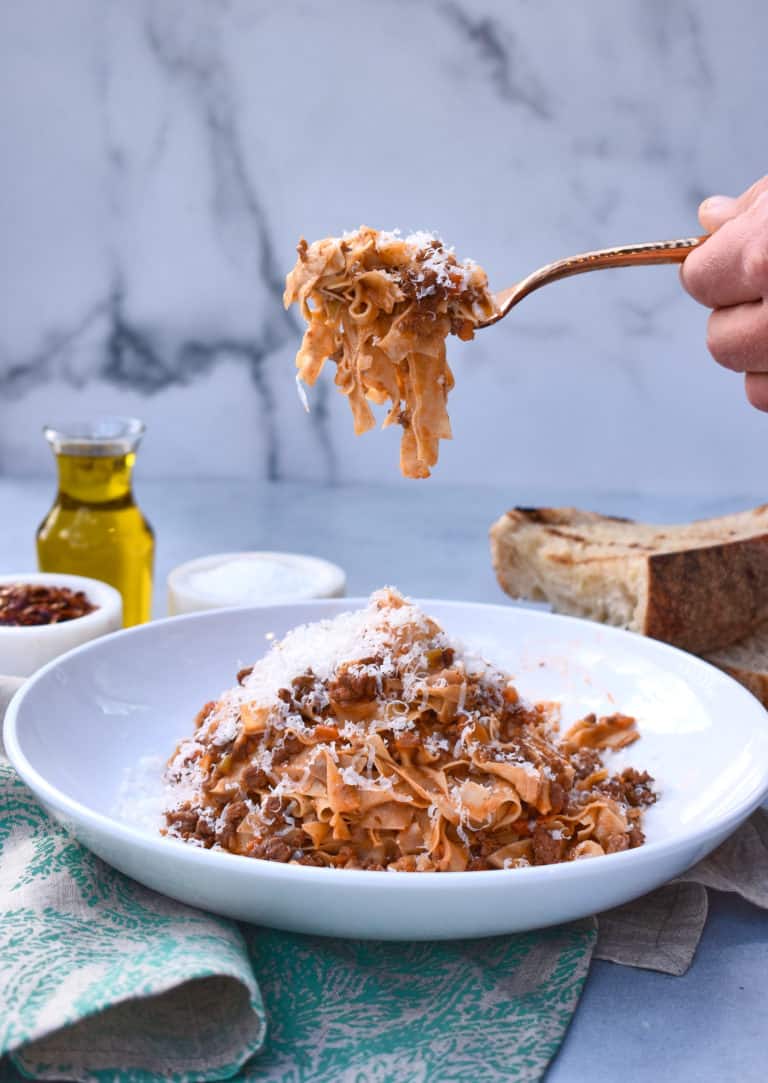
{"type": "Point", "coordinates": [23, 604]}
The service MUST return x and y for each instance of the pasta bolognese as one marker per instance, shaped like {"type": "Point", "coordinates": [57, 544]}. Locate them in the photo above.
{"type": "Point", "coordinates": [381, 307]}
{"type": "Point", "coordinates": [372, 741]}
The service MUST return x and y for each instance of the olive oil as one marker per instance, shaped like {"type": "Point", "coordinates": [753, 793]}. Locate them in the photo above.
{"type": "Point", "coordinates": [95, 527]}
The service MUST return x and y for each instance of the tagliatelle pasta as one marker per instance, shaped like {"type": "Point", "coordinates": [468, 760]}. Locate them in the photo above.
{"type": "Point", "coordinates": [381, 307]}
{"type": "Point", "coordinates": [372, 741]}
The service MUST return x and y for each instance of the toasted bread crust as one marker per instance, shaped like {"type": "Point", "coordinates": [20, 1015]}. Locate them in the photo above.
{"type": "Point", "coordinates": [756, 682]}
{"type": "Point", "coordinates": [704, 599]}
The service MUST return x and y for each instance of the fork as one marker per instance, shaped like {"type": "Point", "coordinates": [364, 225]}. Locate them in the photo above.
{"type": "Point", "coordinates": [627, 255]}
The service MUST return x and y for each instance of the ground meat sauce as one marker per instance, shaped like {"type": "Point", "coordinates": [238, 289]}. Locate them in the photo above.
{"type": "Point", "coordinates": [248, 790]}
{"type": "Point", "coordinates": [28, 604]}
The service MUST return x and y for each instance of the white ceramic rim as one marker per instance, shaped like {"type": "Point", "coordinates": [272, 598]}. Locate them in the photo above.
{"type": "Point", "coordinates": [430, 881]}
{"type": "Point", "coordinates": [331, 578]}
{"type": "Point", "coordinates": [105, 597]}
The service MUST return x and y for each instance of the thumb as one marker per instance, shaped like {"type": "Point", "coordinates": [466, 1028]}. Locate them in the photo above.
{"type": "Point", "coordinates": [717, 210]}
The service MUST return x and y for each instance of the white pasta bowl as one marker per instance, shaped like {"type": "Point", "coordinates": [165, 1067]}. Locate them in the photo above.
{"type": "Point", "coordinates": [84, 720]}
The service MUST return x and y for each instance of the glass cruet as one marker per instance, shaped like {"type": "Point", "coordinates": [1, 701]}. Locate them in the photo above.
{"type": "Point", "coordinates": [95, 527]}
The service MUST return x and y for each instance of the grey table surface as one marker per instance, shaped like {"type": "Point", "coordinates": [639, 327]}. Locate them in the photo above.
{"type": "Point", "coordinates": [430, 540]}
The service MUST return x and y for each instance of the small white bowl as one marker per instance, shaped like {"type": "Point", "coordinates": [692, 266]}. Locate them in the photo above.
{"type": "Point", "coordinates": [227, 580]}
{"type": "Point", "coordinates": [25, 648]}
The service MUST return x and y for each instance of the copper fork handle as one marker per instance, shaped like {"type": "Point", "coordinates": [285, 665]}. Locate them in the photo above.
{"type": "Point", "coordinates": [627, 255]}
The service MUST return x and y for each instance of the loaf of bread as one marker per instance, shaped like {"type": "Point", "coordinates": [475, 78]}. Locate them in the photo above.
{"type": "Point", "coordinates": [702, 586]}
{"type": "Point", "coordinates": [747, 661]}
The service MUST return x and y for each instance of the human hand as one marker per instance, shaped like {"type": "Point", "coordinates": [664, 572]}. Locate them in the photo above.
{"type": "Point", "coordinates": [729, 274]}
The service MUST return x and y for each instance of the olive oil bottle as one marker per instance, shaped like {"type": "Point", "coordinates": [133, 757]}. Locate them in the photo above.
{"type": "Point", "coordinates": [95, 527]}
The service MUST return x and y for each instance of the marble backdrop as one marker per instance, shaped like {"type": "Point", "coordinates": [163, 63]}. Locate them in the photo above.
{"type": "Point", "coordinates": [161, 158]}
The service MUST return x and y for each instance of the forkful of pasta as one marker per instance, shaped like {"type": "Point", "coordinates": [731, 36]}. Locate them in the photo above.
{"type": "Point", "coordinates": [381, 306]}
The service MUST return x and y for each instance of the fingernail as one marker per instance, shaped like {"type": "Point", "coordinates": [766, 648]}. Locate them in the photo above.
{"type": "Point", "coordinates": [716, 211]}
{"type": "Point", "coordinates": [718, 205]}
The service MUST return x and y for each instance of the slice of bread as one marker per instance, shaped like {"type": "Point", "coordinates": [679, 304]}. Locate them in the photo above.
{"type": "Point", "coordinates": [700, 585]}
{"type": "Point", "coordinates": [747, 661]}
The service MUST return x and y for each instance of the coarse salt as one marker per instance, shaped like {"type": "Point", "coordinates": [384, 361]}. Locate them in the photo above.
{"type": "Point", "coordinates": [240, 581]}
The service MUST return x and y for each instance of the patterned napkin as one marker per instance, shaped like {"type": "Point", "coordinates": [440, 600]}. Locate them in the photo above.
{"type": "Point", "coordinates": [102, 979]}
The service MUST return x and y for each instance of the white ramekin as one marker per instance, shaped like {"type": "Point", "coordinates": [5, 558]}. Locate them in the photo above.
{"type": "Point", "coordinates": [327, 581]}
{"type": "Point", "coordinates": [26, 648]}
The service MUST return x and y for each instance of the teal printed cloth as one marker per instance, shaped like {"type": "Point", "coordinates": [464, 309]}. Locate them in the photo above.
{"type": "Point", "coordinates": [104, 980]}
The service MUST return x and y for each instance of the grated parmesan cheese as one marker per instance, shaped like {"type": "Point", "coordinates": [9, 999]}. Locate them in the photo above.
{"type": "Point", "coordinates": [321, 647]}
